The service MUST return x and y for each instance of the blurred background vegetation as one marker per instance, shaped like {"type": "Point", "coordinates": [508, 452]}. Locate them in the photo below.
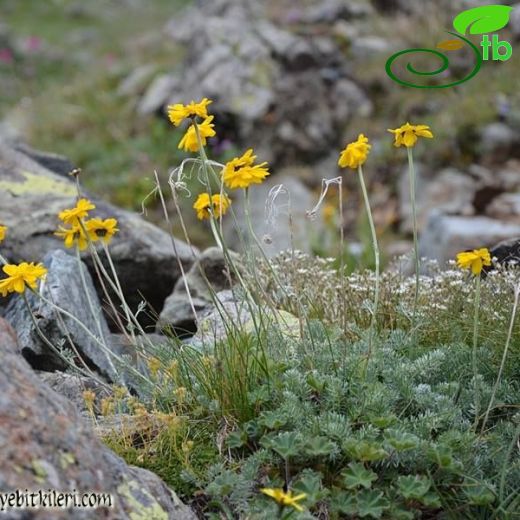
{"type": "Point", "coordinates": [63, 64]}
{"type": "Point", "coordinates": [62, 93]}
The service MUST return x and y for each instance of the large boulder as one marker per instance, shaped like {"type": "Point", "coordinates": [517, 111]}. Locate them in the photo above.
{"type": "Point", "coordinates": [251, 63]}
{"type": "Point", "coordinates": [47, 445]}
{"type": "Point", "coordinates": [146, 260]}
{"type": "Point", "coordinates": [64, 287]}
{"type": "Point", "coordinates": [446, 235]}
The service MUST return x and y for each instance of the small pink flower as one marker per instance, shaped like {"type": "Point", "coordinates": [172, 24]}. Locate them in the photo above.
{"type": "Point", "coordinates": [110, 59]}
{"type": "Point", "coordinates": [33, 44]}
{"type": "Point", "coordinates": [6, 56]}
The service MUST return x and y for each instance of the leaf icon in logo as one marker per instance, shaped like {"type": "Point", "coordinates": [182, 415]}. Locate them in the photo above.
{"type": "Point", "coordinates": [450, 45]}
{"type": "Point", "coordinates": [481, 20]}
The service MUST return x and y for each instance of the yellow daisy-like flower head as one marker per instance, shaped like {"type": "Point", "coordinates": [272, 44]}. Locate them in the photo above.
{"type": "Point", "coordinates": [407, 135]}
{"type": "Point", "coordinates": [20, 276]}
{"type": "Point", "coordinates": [206, 206]}
{"type": "Point", "coordinates": [284, 498]}
{"type": "Point", "coordinates": [179, 112]}
{"type": "Point", "coordinates": [99, 229]}
{"type": "Point", "coordinates": [355, 154]}
{"type": "Point", "coordinates": [71, 216]}
{"type": "Point", "coordinates": [3, 229]}
{"type": "Point", "coordinates": [474, 260]}
{"type": "Point", "coordinates": [189, 142]}
{"type": "Point", "coordinates": [73, 236]}
{"type": "Point", "coordinates": [241, 172]}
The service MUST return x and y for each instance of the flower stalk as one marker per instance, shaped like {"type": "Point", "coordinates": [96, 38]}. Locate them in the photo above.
{"type": "Point", "coordinates": [375, 246]}
{"type": "Point", "coordinates": [412, 179]}
{"type": "Point", "coordinates": [504, 356]}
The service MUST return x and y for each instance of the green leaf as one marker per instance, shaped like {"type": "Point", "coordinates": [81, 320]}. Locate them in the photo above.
{"type": "Point", "coordinates": [383, 421]}
{"type": "Point", "coordinates": [481, 20]}
{"type": "Point", "coordinates": [345, 503]}
{"type": "Point", "coordinates": [287, 444]}
{"type": "Point", "coordinates": [310, 484]}
{"type": "Point", "coordinates": [443, 456]}
{"type": "Point", "coordinates": [398, 513]}
{"type": "Point", "coordinates": [413, 486]}
{"type": "Point", "coordinates": [431, 500]}
{"type": "Point", "coordinates": [236, 439]}
{"type": "Point", "coordinates": [223, 484]}
{"type": "Point", "coordinates": [364, 451]}
{"type": "Point", "coordinates": [401, 441]}
{"type": "Point", "coordinates": [272, 420]}
{"type": "Point", "coordinates": [319, 446]}
{"type": "Point", "coordinates": [357, 475]}
{"type": "Point", "coordinates": [479, 495]}
{"type": "Point", "coordinates": [371, 504]}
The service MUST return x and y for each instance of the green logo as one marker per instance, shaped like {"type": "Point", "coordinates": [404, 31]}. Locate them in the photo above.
{"type": "Point", "coordinates": [480, 20]}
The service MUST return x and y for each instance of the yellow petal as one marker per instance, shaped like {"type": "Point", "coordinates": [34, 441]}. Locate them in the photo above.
{"type": "Point", "coordinates": [450, 45]}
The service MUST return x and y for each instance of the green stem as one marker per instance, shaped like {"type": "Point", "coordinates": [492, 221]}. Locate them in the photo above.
{"type": "Point", "coordinates": [120, 291]}
{"type": "Point", "coordinates": [475, 344]}
{"type": "Point", "coordinates": [87, 372]}
{"type": "Point", "coordinates": [375, 245]}
{"type": "Point", "coordinates": [92, 336]}
{"type": "Point", "coordinates": [504, 356]}
{"type": "Point", "coordinates": [411, 173]}
{"type": "Point", "coordinates": [93, 311]}
{"type": "Point", "coordinates": [342, 258]}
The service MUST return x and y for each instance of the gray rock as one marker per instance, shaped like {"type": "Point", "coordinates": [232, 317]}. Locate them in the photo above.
{"type": "Point", "coordinates": [63, 287]}
{"type": "Point", "coordinates": [350, 100]}
{"type": "Point", "coordinates": [328, 11]}
{"type": "Point", "coordinates": [507, 252]}
{"type": "Point", "coordinates": [447, 235]}
{"type": "Point", "coordinates": [232, 313]}
{"type": "Point", "coordinates": [72, 386]}
{"type": "Point", "coordinates": [279, 41]}
{"type": "Point", "coordinates": [514, 21]}
{"type": "Point", "coordinates": [505, 207]}
{"type": "Point", "coordinates": [207, 276]}
{"type": "Point", "coordinates": [368, 46]}
{"type": "Point", "coordinates": [496, 142]}
{"type": "Point", "coordinates": [449, 191]}
{"type": "Point", "coordinates": [32, 197]}
{"type": "Point", "coordinates": [51, 161]}
{"type": "Point", "coordinates": [215, 320]}
{"type": "Point", "coordinates": [251, 66]}
{"type": "Point", "coordinates": [270, 216]}
{"type": "Point", "coordinates": [157, 94]}
{"type": "Point", "coordinates": [46, 444]}
{"type": "Point", "coordinates": [136, 82]}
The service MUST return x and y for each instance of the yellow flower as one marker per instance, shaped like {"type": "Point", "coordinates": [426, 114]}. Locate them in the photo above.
{"type": "Point", "coordinates": [73, 236]}
{"type": "Point", "coordinates": [474, 260]}
{"type": "Point", "coordinates": [240, 172]}
{"type": "Point", "coordinates": [90, 398]}
{"type": "Point", "coordinates": [218, 205]}
{"type": "Point", "coordinates": [154, 366]}
{"type": "Point", "coordinates": [3, 229]}
{"type": "Point", "coordinates": [408, 134]}
{"type": "Point", "coordinates": [21, 275]}
{"type": "Point", "coordinates": [189, 142]}
{"type": "Point", "coordinates": [99, 229]}
{"type": "Point", "coordinates": [178, 112]}
{"type": "Point", "coordinates": [71, 216]}
{"type": "Point", "coordinates": [329, 213]}
{"type": "Point", "coordinates": [355, 154]}
{"type": "Point", "coordinates": [284, 498]}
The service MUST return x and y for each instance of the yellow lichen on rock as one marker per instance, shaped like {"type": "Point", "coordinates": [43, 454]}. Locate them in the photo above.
{"type": "Point", "coordinates": [140, 511]}
{"type": "Point", "coordinates": [38, 184]}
